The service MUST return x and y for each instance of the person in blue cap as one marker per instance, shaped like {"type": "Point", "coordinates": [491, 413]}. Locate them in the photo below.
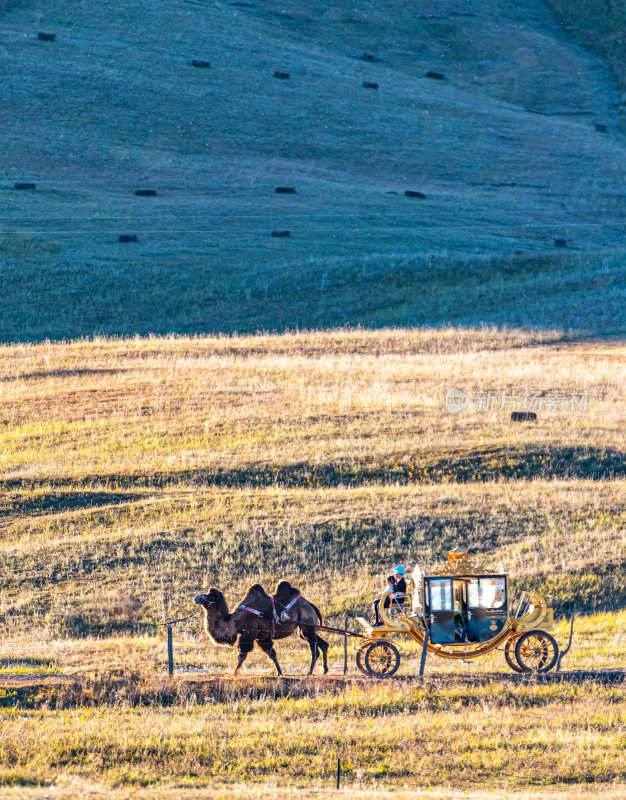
{"type": "Point", "coordinates": [398, 581]}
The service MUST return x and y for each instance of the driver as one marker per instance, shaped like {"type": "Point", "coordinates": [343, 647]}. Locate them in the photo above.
{"type": "Point", "coordinates": [398, 581]}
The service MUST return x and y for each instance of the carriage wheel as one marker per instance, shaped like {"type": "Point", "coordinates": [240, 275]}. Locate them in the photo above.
{"type": "Point", "coordinates": [536, 651]}
{"type": "Point", "coordinates": [382, 659]}
{"type": "Point", "coordinates": [509, 654]}
{"type": "Point", "coordinates": [360, 659]}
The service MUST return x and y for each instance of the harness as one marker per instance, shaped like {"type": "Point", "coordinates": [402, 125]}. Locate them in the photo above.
{"type": "Point", "coordinates": [251, 610]}
{"type": "Point", "coordinates": [284, 616]}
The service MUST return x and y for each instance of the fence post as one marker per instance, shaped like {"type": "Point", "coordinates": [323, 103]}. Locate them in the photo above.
{"type": "Point", "coordinates": [424, 652]}
{"type": "Point", "coordinates": [170, 651]}
{"type": "Point", "coordinates": [345, 648]}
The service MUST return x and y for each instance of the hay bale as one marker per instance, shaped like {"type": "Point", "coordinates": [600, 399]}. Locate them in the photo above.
{"type": "Point", "coordinates": [200, 64]}
{"type": "Point", "coordinates": [282, 76]}
{"type": "Point", "coordinates": [24, 186]}
{"type": "Point", "coordinates": [128, 237]}
{"type": "Point", "coordinates": [46, 37]}
{"type": "Point", "coordinates": [145, 192]}
{"type": "Point", "coordinates": [560, 242]}
{"type": "Point", "coordinates": [413, 193]}
{"type": "Point", "coordinates": [281, 234]}
{"type": "Point", "coordinates": [523, 416]}
{"type": "Point", "coordinates": [285, 190]}
{"type": "Point", "coordinates": [369, 85]}
{"type": "Point", "coordinates": [438, 76]}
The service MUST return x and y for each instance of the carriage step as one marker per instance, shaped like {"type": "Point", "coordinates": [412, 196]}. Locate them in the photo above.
{"type": "Point", "coordinates": [365, 625]}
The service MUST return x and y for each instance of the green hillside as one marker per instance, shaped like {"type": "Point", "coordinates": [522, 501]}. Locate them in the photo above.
{"type": "Point", "coordinates": [601, 25]}
{"type": "Point", "coordinates": [504, 148]}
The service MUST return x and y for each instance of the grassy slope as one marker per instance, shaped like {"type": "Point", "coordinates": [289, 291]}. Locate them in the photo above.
{"type": "Point", "coordinates": [114, 105]}
{"type": "Point", "coordinates": [136, 472]}
{"type": "Point", "coordinates": [601, 25]}
{"type": "Point", "coordinates": [154, 464]}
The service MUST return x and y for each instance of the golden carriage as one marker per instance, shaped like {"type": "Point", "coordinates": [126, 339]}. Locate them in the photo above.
{"type": "Point", "coordinates": [460, 610]}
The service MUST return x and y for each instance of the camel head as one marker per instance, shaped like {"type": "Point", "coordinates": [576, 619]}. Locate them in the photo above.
{"type": "Point", "coordinates": [218, 623]}
{"type": "Point", "coordinates": [212, 598]}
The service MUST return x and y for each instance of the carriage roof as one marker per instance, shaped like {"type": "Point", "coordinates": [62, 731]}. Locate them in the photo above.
{"type": "Point", "coordinates": [458, 564]}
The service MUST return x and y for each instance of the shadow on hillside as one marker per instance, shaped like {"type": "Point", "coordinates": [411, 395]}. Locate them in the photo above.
{"type": "Point", "coordinates": [208, 552]}
{"type": "Point", "coordinates": [61, 373]}
{"type": "Point", "coordinates": [492, 464]}
{"type": "Point", "coordinates": [311, 547]}
{"type": "Point", "coordinates": [57, 502]}
{"type": "Point", "coordinates": [309, 292]}
{"type": "Point", "coordinates": [596, 587]}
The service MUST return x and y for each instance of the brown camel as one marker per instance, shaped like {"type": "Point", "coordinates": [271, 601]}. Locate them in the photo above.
{"type": "Point", "coordinates": [262, 627]}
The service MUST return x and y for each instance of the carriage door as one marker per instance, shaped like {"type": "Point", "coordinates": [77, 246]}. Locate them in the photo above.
{"type": "Point", "coordinates": [438, 596]}
{"type": "Point", "coordinates": [486, 607]}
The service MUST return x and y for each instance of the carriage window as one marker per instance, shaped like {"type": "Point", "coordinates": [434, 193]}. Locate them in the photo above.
{"type": "Point", "coordinates": [492, 592]}
{"type": "Point", "coordinates": [472, 594]}
{"type": "Point", "coordinates": [486, 593]}
{"type": "Point", "coordinates": [440, 595]}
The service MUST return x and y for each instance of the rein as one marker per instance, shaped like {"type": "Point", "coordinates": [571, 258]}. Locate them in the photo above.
{"type": "Point", "coordinates": [168, 621]}
{"type": "Point", "coordinates": [175, 621]}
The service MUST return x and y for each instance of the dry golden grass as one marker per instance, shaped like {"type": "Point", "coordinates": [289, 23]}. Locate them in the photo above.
{"type": "Point", "coordinates": [107, 410]}
{"type": "Point", "coordinates": [432, 734]}
{"type": "Point", "coordinates": [137, 472]}
{"type": "Point", "coordinates": [274, 790]}
{"type": "Point", "coordinates": [155, 466]}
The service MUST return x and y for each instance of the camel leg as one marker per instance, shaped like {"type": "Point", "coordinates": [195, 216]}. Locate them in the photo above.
{"type": "Point", "coordinates": [245, 646]}
{"type": "Point", "coordinates": [311, 638]}
{"type": "Point", "coordinates": [323, 646]}
{"type": "Point", "coordinates": [267, 646]}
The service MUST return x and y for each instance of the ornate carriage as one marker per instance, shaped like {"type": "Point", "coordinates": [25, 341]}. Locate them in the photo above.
{"type": "Point", "coordinates": [460, 610]}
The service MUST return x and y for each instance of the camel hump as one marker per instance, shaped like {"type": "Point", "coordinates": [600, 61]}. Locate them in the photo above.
{"type": "Point", "coordinates": [258, 589]}
{"type": "Point", "coordinates": [257, 598]}
{"type": "Point", "coordinates": [285, 592]}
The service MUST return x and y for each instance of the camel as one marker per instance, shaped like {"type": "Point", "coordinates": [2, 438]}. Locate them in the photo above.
{"type": "Point", "coordinates": [262, 627]}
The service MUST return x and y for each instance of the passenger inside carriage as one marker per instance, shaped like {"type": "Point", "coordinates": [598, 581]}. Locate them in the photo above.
{"type": "Point", "coordinates": [398, 596]}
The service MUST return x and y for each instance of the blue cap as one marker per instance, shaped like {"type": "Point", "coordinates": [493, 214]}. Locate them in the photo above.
{"type": "Point", "coordinates": [399, 569]}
